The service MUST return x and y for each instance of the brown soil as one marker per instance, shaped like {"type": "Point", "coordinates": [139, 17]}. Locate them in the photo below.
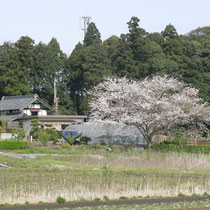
{"type": "Point", "coordinates": [109, 203]}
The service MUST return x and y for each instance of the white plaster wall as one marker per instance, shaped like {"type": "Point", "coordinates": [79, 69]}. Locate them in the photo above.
{"type": "Point", "coordinates": [27, 112]}
{"type": "Point", "coordinates": [42, 113]}
{"type": "Point", "coordinates": [57, 127]}
{"type": "Point", "coordinates": [34, 106]}
{"type": "Point", "coordinates": [6, 136]}
{"type": "Point", "coordinates": [37, 106]}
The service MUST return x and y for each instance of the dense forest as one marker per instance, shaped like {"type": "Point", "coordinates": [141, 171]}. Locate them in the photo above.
{"type": "Point", "coordinates": [26, 67]}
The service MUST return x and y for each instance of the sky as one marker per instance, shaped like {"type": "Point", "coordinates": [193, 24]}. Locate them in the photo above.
{"type": "Point", "coordinates": [43, 19]}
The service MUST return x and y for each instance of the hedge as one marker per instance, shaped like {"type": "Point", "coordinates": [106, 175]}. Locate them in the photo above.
{"type": "Point", "coordinates": [182, 148]}
{"type": "Point", "coordinates": [11, 145]}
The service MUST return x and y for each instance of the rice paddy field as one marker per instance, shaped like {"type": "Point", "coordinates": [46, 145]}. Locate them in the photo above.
{"type": "Point", "coordinates": [84, 173]}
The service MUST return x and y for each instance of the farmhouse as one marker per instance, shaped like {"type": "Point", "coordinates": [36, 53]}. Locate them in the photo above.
{"type": "Point", "coordinates": [20, 110]}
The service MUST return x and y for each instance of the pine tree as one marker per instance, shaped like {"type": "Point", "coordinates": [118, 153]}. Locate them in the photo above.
{"type": "Point", "coordinates": [92, 35]}
{"type": "Point", "coordinates": [13, 78]}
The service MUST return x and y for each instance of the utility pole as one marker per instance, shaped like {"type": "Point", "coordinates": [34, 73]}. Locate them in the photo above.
{"type": "Point", "coordinates": [55, 98]}
{"type": "Point", "coordinates": [86, 20]}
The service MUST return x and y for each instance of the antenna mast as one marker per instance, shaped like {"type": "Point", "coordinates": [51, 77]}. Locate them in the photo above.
{"type": "Point", "coordinates": [86, 20]}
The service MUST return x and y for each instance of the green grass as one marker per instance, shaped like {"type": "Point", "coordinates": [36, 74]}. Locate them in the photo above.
{"type": "Point", "coordinates": [78, 149]}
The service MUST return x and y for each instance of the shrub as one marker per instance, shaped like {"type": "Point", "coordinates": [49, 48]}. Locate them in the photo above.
{"type": "Point", "coordinates": [12, 145]}
{"type": "Point", "coordinates": [18, 133]}
{"type": "Point", "coordinates": [54, 134]}
{"type": "Point", "coordinates": [44, 137]}
{"type": "Point", "coordinates": [106, 198]}
{"type": "Point", "coordinates": [85, 139]}
{"type": "Point", "coordinates": [72, 139]}
{"type": "Point", "coordinates": [182, 148]}
{"type": "Point", "coordinates": [36, 127]}
{"type": "Point", "coordinates": [60, 200]}
{"type": "Point", "coordinates": [102, 143]}
{"type": "Point", "coordinates": [177, 141]}
{"type": "Point", "coordinates": [3, 125]}
{"type": "Point", "coordinates": [26, 203]}
{"type": "Point", "coordinates": [123, 197]}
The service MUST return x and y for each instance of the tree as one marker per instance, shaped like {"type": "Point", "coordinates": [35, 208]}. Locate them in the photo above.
{"type": "Point", "coordinates": [85, 68]}
{"type": "Point", "coordinates": [48, 66]}
{"type": "Point", "coordinates": [92, 36]}
{"type": "Point", "coordinates": [134, 30]}
{"type": "Point", "coordinates": [121, 57]}
{"type": "Point", "coordinates": [153, 105]}
{"type": "Point", "coordinates": [13, 78]}
{"type": "Point", "coordinates": [36, 128]}
{"type": "Point", "coordinates": [74, 75]}
{"type": "Point", "coordinates": [25, 48]}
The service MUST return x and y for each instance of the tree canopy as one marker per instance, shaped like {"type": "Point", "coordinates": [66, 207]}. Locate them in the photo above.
{"type": "Point", "coordinates": [26, 67]}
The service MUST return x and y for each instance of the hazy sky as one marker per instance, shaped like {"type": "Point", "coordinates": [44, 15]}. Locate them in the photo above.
{"type": "Point", "coordinates": [43, 19]}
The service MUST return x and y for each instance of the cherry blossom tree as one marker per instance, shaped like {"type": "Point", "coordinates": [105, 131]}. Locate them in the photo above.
{"type": "Point", "coordinates": [153, 105]}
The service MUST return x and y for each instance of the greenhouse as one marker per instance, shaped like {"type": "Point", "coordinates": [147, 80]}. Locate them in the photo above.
{"type": "Point", "coordinates": [106, 133]}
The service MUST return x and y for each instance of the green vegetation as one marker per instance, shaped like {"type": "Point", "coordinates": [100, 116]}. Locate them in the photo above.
{"type": "Point", "coordinates": [3, 124]}
{"type": "Point", "coordinates": [85, 139]}
{"type": "Point", "coordinates": [13, 145]}
{"type": "Point", "coordinates": [38, 132]}
{"type": "Point", "coordinates": [177, 141]}
{"type": "Point", "coordinates": [106, 198]}
{"type": "Point", "coordinates": [78, 139]}
{"type": "Point", "coordinates": [43, 136]}
{"type": "Point", "coordinates": [72, 139]}
{"type": "Point", "coordinates": [60, 200]}
{"type": "Point", "coordinates": [27, 67]}
{"type": "Point", "coordinates": [181, 148]}
{"type": "Point", "coordinates": [18, 133]}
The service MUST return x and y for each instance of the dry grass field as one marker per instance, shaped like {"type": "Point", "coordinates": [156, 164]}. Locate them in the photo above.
{"type": "Point", "coordinates": [96, 173]}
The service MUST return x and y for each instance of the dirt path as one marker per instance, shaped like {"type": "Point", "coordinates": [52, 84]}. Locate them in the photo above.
{"type": "Point", "coordinates": [109, 203]}
{"type": "Point", "coordinates": [33, 156]}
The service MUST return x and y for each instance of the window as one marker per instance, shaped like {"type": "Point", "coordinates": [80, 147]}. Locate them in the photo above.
{"type": "Point", "coordinates": [34, 113]}
{"type": "Point", "coordinates": [64, 126]}
{"type": "Point", "coordinates": [21, 124]}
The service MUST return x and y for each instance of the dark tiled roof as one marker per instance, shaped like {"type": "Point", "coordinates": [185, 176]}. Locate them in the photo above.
{"type": "Point", "coordinates": [59, 118]}
{"type": "Point", "coordinates": [19, 102]}
{"type": "Point", "coordinates": [10, 117]}
{"type": "Point", "coordinates": [19, 97]}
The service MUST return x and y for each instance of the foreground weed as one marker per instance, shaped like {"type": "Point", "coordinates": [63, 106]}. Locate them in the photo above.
{"type": "Point", "coordinates": [106, 198]}
{"type": "Point", "coordinates": [123, 198]}
{"type": "Point", "coordinates": [181, 195]}
{"type": "Point", "coordinates": [60, 200]}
